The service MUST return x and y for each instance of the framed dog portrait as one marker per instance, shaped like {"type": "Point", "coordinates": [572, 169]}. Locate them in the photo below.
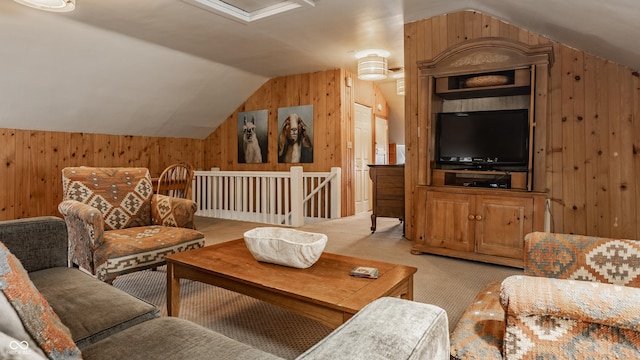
{"type": "Point", "coordinates": [252, 136]}
{"type": "Point", "coordinates": [295, 134]}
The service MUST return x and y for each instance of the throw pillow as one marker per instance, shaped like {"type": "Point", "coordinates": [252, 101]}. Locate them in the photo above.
{"type": "Point", "coordinates": [38, 318]}
{"type": "Point", "coordinates": [11, 325]}
{"type": "Point", "coordinates": [14, 349]}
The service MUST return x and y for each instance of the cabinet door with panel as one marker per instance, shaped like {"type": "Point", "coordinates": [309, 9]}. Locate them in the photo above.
{"type": "Point", "coordinates": [501, 224]}
{"type": "Point", "coordinates": [448, 220]}
{"type": "Point", "coordinates": [476, 224]}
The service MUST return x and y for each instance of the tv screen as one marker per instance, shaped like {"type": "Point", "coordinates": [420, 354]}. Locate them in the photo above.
{"type": "Point", "coordinates": [483, 138]}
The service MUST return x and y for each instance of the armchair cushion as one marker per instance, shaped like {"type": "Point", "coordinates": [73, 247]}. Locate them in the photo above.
{"type": "Point", "coordinates": [123, 195]}
{"type": "Point", "coordinates": [578, 257]}
{"type": "Point", "coordinates": [38, 318]}
{"type": "Point", "coordinates": [558, 318]}
{"type": "Point", "coordinates": [143, 247]}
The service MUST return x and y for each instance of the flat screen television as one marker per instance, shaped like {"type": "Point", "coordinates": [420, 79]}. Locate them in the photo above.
{"type": "Point", "coordinates": [483, 139]}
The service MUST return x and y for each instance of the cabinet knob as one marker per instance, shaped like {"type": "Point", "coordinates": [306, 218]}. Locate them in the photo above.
{"type": "Point", "coordinates": [478, 217]}
{"type": "Point", "coordinates": [471, 217]}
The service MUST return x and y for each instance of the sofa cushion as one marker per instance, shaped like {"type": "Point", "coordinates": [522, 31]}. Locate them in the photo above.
{"type": "Point", "coordinates": [170, 338]}
{"type": "Point", "coordinates": [38, 318]}
{"type": "Point", "coordinates": [91, 309]}
{"type": "Point", "coordinates": [123, 195]}
{"type": "Point", "coordinates": [388, 328]}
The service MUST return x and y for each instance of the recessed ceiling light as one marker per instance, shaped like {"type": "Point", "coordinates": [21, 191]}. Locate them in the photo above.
{"type": "Point", "coordinates": [247, 11]}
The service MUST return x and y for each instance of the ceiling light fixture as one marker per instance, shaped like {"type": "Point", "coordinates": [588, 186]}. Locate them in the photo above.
{"type": "Point", "coordinates": [372, 64]}
{"type": "Point", "coordinates": [398, 74]}
{"type": "Point", "coordinates": [399, 83]}
{"type": "Point", "coordinates": [50, 5]}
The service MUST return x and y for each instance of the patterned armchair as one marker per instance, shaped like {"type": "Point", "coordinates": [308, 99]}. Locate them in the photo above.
{"type": "Point", "coordinates": [578, 299]}
{"type": "Point", "coordinates": [117, 225]}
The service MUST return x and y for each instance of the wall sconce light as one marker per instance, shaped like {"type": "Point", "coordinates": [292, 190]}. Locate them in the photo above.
{"type": "Point", "coordinates": [399, 83]}
{"type": "Point", "coordinates": [372, 64]}
{"type": "Point", "coordinates": [50, 5]}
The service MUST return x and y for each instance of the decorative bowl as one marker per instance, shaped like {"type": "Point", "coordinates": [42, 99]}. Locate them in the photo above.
{"type": "Point", "coordinates": [284, 246]}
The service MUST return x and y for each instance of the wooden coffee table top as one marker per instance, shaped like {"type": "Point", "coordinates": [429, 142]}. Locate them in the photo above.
{"type": "Point", "coordinates": [327, 283]}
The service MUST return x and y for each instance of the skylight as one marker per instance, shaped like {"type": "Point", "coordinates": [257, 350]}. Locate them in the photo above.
{"type": "Point", "coordinates": [247, 11]}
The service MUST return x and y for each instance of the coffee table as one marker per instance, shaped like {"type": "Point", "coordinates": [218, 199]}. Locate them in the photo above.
{"type": "Point", "coordinates": [324, 292]}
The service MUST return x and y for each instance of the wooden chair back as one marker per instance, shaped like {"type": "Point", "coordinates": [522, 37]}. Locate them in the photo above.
{"type": "Point", "coordinates": [176, 180]}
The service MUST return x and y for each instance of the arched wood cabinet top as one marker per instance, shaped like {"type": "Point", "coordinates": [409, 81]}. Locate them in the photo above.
{"type": "Point", "coordinates": [485, 55]}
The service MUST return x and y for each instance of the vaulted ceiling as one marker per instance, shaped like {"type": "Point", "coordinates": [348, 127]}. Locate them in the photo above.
{"type": "Point", "coordinates": [170, 68]}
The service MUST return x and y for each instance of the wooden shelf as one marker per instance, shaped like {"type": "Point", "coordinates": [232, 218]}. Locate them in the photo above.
{"type": "Point", "coordinates": [514, 179]}
{"type": "Point", "coordinates": [454, 87]}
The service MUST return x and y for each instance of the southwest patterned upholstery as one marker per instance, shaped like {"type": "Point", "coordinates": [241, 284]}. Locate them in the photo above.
{"type": "Point", "coordinates": [566, 319]}
{"type": "Point", "coordinates": [480, 330]}
{"type": "Point", "coordinates": [560, 256]}
{"type": "Point", "coordinates": [552, 312]}
{"type": "Point", "coordinates": [117, 225]}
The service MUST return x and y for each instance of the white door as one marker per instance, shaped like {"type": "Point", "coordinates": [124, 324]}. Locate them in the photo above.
{"type": "Point", "coordinates": [382, 141]}
{"type": "Point", "coordinates": [363, 145]}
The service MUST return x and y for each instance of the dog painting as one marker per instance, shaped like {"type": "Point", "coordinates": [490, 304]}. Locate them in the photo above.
{"type": "Point", "coordinates": [252, 137]}
{"type": "Point", "coordinates": [296, 132]}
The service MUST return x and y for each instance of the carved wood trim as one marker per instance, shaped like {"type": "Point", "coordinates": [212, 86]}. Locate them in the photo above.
{"type": "Point", "coordinates": [486, 54]}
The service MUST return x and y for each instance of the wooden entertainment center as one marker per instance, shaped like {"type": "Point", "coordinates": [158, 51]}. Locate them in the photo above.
{"type": "Point", "coordinates": [466, 212]}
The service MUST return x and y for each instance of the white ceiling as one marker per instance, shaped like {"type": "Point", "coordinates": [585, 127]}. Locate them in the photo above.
{"type": "Point", "coordinates": [169, 68]}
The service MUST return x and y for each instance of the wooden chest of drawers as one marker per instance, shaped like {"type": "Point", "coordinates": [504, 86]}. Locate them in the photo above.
{"type": "Point", "coordinates": [388, 192]}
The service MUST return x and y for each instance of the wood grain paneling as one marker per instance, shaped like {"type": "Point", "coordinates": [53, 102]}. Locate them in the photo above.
{"type": "Point", "coordinates": [32, 163]}
{"type": "Point", "coordinates": [592, 165]}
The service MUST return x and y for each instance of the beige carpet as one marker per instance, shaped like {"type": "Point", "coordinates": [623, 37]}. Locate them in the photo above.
{"type": "Point", "coordinates": [446, 282]}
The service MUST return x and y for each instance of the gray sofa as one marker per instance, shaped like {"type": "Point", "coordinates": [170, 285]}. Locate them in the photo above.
{"type": "Point", "coordinates": [107, 323]}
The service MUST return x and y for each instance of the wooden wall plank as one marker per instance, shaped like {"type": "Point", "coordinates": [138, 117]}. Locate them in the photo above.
{"type": "Point", "coordinates": [568, 177]}
{"type": "Point", "coordinates": [556, 148]}
{"type": "Point", "coordinates": [635, 100]}
{"type": "Point", "coordinates": [579, 143]}
{"type": "Point", "coordinates": [627, 184]}
{"type": "Point", "coordinates": [413, 41]}
{"type": "Point", "coordinates": [8, 173]}
{"type": "Point", "coordinates": [591, 147]}
{"type": "Point", "coordinates": [23, 163]}
{"type": "Point", "coordinates": [602, 162]}
{"type": "Point", "coordinates": [614, 149]}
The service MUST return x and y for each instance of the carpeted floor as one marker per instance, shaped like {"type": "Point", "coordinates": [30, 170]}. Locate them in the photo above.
{"type": "Point", "coordinates": [446, 282]}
